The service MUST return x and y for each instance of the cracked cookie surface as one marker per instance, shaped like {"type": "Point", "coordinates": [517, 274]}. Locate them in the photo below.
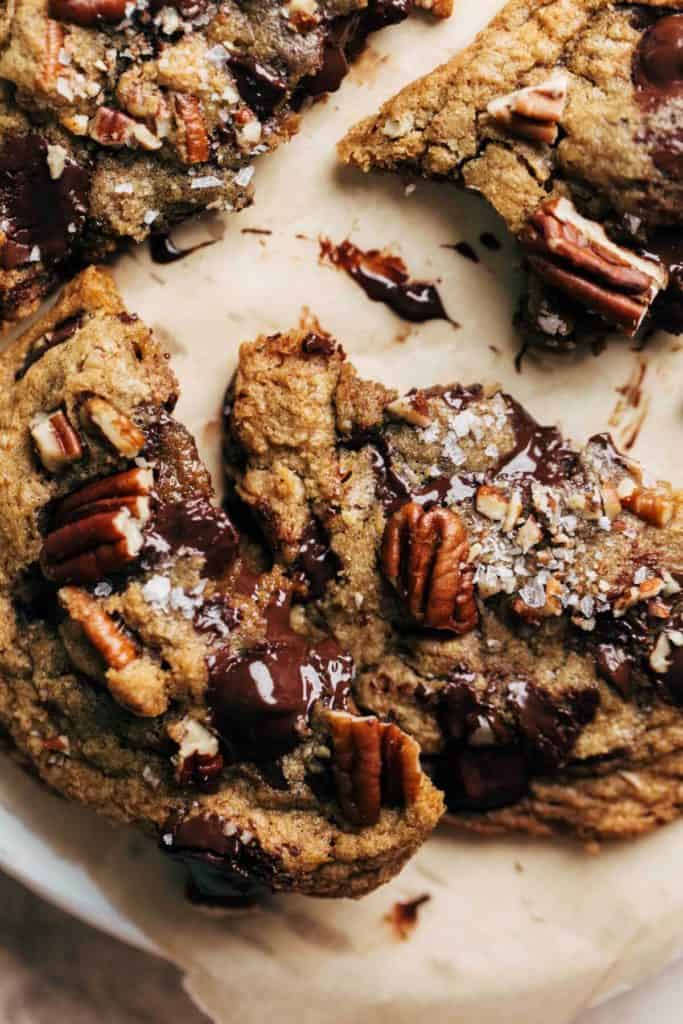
{"type": "Point", "coordinates": [576, 102]}
{"type": "Point", "coordinates": [119, 119]}
{"type": "Point", "coordinates": [511, 601]}
{"type": "Point", "coordinates": [150, 662]}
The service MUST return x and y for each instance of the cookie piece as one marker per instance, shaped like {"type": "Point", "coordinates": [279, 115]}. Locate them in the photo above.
{"type": "Point", "coordinates": [149, 662]}
{"type": "Point", "coordinates": [120, 119]}
{"type": "Point", "coordinates": [511, 601]}
{"type": "Point", "coordinates": [567, 117]}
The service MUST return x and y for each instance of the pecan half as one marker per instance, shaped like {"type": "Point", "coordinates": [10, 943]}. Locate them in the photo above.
{"type": "Point", "coordinates": [114, 426]}
{"type": "Point", "coordinates": [535, 111]}
{"type": "Point", "coordinates": [190, 115]}
{"type": "Point", "coordinates": [374, 763]}
{"type": "Point", "coordinates": [57, 443]}
{"type": "Point", "coordinates": [98, 529]}
{"type": "Point", "coordinates": [424, 556]}
{"type": "Point", "coordinates": [574, 255]}
{"type": "Point", "coordinates": [117, 650]}
{"type": "Point", "coordinates": [88, 12]}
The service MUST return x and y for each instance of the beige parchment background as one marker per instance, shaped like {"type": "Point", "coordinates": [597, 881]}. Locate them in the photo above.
{"type": "Point", "coordinates": [515, 931]}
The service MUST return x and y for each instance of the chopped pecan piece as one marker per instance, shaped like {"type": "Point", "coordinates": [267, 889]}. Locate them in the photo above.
{"type": "Point", "coordinates": [57, 443]}
{"type": "Point", "coordinates": [98, 529]}
{"type": "Point", "coordinates": [575, 255]}
{"type": "Point", "coordinates": [116, 649]}
{"type": "Point", "coordinates": [424, 556]}
{"type": "Point", "coordinates": [534, 112]}
{"type": "Point", "coordinates": [190, 115]}
{"type": "Point", "coordinates": [551, 607]}
{"type": "Point", "coordinates": [88, 12]}
{"type": "Point", "coordinates": [654, 505]}
{"type": "Point", "coordinates": [198, 760]}
{"type": "Point", "coordinates": [374, 763]}
{"type": "Point", "coordinates": [113, 128]}
{"type": "Point", "coordinates": [114, 426]}
{"type": "Point", "coordinates": [54, 42]}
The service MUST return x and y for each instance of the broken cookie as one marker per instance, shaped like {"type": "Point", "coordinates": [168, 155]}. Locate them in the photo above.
{"type": "Point", "coordinates": [118, 119]}
{"type": "Point", "coordinates": [511, 601]}
{"type": "Point", "coordinates": [567, 117]}
{"type": "Point", "coordinates": [153, 664]}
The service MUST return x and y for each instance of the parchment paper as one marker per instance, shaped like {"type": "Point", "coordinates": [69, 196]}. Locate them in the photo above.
{"type": "Point", "coordinates": [515, 931]}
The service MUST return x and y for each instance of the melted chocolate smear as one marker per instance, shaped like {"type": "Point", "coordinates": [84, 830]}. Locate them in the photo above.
{"type": "Point", "coordinates": [384, 278]}
{"type": "Point", "coordinates": [260, 698]}
{"type": "Point", "coordinates": [36, 211]}
{"type": "Point", "coordinates": [60, 333]}
{"type": "Point", "coordinates": [658, 75]}
{"type": "Point", "coordinates": [316, 560]}
{"type": "Point", "coordinates": [223, 870]}
{"type": "Point", "coordinates": [465, 249]}
{"type": "Point", "coordinates": [195, 526]}
{"type": "Point", "coordinates": [490, 241]}
{"type": "Point", "coordinates": [260, 88]}
{"type": "Point", "coordinates": [540, 453]}
{"type": "Point", "coordinates": [403, 915]}
{"type": "Point", "coordinates": [333, 70]}
{"type": "Point", "coordinates": [163, 249]}
{"type": "Point", "coordinates": [391, 490]}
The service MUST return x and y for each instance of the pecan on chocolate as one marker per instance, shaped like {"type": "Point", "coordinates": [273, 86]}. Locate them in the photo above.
{"type": "Point", "coordinates": [88, 12]}
{"type": "Point", "coordinates": [56, 441]}
{"type": "Point", "coordinates": [103, 418]}
{"type": "Point", "coordinates": [116, 649]}
{"type": "Point", "coordinates": [535, 111]}
{"type": "Point", "coordinates": [97, 530]}
{"type": "Point", "coordinates": [574, 255]}
{"type": "Point", "coordinates": [374, 764]}
{"type": "Point", "coordinates": [190, 119]}
{"type": "Point", "coordinates": [424, 556]}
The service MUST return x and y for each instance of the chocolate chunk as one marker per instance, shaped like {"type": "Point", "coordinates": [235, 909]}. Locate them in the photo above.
{"type": "Point", "coordinates": [660, 54]}
{"type": "Point", "coordinates": [260, 698]}
{"type": "Point", "coordinates": [540, 453]}
{"type": "Point", "coordinates": [318, 344]}
{"type": "Point", "coordinates": [548, 725]}
{"type": "Point", "coordinates": [615, 666]}
{"type": "Point", "coordinates": [37, 211]}
{"type": "Point", "coordinates": [673, 679]}
{"type": "Point", "coordinates": [260, 88]}
{"type": "Point", "coordinates": [482, 778]}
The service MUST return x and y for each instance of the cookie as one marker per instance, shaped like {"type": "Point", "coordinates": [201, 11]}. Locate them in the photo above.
{"type": "Point", "coordinates": [152, 665]}
{"type": "Point", "coordinates": [510, 600]}
{"type": "Point", "coordinates": [568, 118]}
{"type": "Point", "coordinates": [119, 119]}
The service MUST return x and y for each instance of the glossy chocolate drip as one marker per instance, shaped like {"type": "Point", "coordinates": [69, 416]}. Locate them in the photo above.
{"type": "Point", "coordinates": [260, 88]}
{"type": "Point", "coordinates": [540, 453]}
{"type": "Point", "coordinates": [658, 76]}
{"type": "Point", "coordinates": [60, 333]}
{"type": "Point", "coordinates": [260, 698]}
{"type": "Point", "coordinates": [224, 870]}
{"type": "Point", "coordinates": [41, 216]}
{"type": "Point", "coordinates": [391, 490]}
{"type": "Point", "coordinates": [317, 561]}
{"type": "Point", "coordinates": [195, 526]}
{"type": "Point", "coordinates": [384, 278]}
{"type": "Point", "coordinates": [163, 249]}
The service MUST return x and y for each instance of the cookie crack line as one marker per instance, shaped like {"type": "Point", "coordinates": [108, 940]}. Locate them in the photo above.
{"type": "Point", "coordinates": [597, 135]}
